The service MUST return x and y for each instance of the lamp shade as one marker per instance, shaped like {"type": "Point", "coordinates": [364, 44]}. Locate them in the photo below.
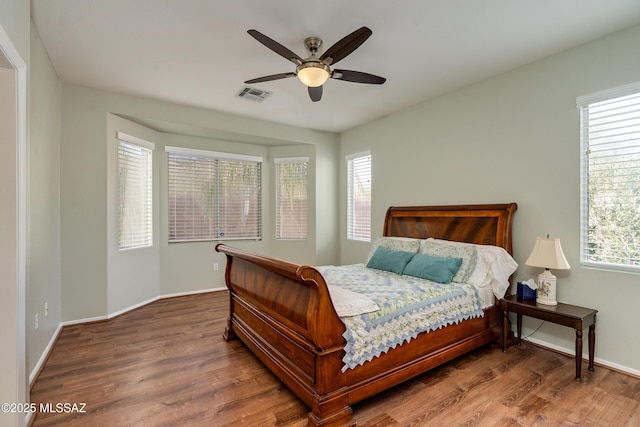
{"type": "Point", "coordinates": [312, 73]}
{"type": "Point", "coordinates": [547, 253]}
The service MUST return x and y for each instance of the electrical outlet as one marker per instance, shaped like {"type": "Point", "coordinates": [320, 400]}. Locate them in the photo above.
{"type": "Point", "coordinates": [46, 309]}
{"type": "Point", "coordinates": [215, 266]}
{"type": "Point", "coordinates": [36, 322]}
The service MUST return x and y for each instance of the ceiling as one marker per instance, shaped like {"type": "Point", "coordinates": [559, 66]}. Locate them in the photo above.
{"type": "Point", "coordinates": [198, 52]}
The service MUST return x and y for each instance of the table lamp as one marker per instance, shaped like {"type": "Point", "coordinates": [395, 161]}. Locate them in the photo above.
{"type": "Point", "coordinates": [547, 253]}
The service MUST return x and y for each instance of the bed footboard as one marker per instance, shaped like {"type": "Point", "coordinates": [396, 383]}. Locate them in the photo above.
{"type": "Point", "coordinates": [283, 313]}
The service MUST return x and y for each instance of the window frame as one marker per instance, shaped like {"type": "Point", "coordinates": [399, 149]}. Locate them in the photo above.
{"type": "Point", "coordinates": [145, 239]}
{"type": "Point", "coordinates": [218, 158]}
{"type": "Point", "coordinates": [584, 103]}
{"type": "Point", "coordinates": [352, 217]}
{"type": "Point", "coordinates": [304, 234]}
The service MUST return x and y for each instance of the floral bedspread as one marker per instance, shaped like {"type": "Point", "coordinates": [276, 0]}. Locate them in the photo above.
{"type": "Point", "coordinates": [408, 306]}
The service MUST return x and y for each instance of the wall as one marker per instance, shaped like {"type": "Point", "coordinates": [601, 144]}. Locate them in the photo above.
{"type": "Point", "coordinates": [92, 273]}
{"type": "Point", "coordinates": [133, 276]}
{"type": "Point", "coordinates": [43, 189]}
{"type": "Point", "coordinates": [15, 19]}
{"type": "Point", "coordinates": [326, 204]}
{"type": "Point", "coordinates": [514, 137]}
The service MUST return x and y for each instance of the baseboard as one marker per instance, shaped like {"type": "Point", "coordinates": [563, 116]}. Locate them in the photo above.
{"type": "Point", "coordinates": [571, 352]}
{"type": "Point", "coordinates": [45, 354]}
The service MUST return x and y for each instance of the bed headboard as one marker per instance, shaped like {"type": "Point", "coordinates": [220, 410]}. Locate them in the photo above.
{"type": "Point", "coordinates": [480, 224]}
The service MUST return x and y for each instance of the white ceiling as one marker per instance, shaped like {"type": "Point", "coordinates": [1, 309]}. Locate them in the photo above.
{"type": "Point", "coordinates": [198, 53]}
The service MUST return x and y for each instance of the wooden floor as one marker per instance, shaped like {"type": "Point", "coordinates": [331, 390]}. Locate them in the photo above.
{"type": "Point", "coordinates": [166, 364]}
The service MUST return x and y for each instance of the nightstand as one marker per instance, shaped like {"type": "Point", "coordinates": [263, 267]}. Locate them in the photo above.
{"type": "Point", "coordinates": [573, 316]}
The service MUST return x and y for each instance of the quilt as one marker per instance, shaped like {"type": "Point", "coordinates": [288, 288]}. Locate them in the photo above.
{"type": "Point", "coordinates": [407, 306]}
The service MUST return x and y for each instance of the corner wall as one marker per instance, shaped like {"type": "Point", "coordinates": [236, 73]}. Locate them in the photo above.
{"type": "Point", "coordinates": [87, 276]}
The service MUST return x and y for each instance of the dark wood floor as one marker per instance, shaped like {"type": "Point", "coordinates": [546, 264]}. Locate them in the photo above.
{"type": "Point", "coordinates": [166, 364]}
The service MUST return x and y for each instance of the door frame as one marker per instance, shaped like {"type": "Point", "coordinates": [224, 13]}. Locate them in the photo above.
{"type": "Point", "coordinates": [11, 59]}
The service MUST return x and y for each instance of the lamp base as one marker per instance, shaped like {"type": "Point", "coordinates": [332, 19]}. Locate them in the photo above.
{"type": "Point", "coordinates": [546, 288]}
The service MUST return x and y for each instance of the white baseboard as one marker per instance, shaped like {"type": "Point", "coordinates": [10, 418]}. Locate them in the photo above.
{"type": "Point", "coordinates": [44, 355]}
{"type": "Point", "coordinates": [54, 338]}
{"type": "Point", "coordinates": [599, 361]}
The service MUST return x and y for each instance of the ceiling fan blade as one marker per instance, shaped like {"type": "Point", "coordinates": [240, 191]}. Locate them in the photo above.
{"type": "Point", "coordinates": [315, 93]}
{"type": "Point", "coordinates": [357, 77]}
{"type": "Point", "coordinates": [276, 47]}
{"type": "Point", "coordinates": [344, 47]}
{"type": "Point", "coordinates": [271, 77]}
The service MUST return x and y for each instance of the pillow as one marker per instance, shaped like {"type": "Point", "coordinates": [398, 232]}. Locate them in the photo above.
{"type": "Point", "coordinates": [388, 260]}
{"type": "Point", "coordinates": [404, 244]}
{"type": "Point", "coordinates": [501, 267]}
{"type": "Point", "coordinates": [494, 266]}
{"type": "Point", "coordinates": [445, 249]}
{"type": "Point", "coordinates": [481, 276]}
{"type": "Point", "coordinates": [433, 268]}
{"type": "Point", "coordinates": [349, 303]}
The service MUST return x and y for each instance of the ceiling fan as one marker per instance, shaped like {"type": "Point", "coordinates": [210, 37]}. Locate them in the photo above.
{"type": "Point", "coordinates": [313, 71]}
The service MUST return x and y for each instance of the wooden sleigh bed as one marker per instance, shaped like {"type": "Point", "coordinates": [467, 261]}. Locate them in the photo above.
{"type": "Point", "coordinates": [283, 313]}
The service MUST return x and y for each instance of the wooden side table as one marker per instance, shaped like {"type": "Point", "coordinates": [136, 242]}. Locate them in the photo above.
{"type": "Point", "coordinates": [573, 316]}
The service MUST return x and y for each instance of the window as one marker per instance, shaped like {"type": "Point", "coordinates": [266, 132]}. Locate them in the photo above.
{"type": "Point", "coordinates": [610, 183]}
{"type": "Point", "coordinates": [359, 197]}
{"type": "Point", "coordinates": [135, 192]}
{"type": "Point", "coordinates": [213, 196]}
{"type": "Point", "coordinates": [291, 198]}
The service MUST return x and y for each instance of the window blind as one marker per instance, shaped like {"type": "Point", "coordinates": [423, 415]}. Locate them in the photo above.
{"type": "Point", "coordinates": [610, 181]}
{"type": "Point", "coordinates": [213, 196]}
{"type": "Point", "coordinates": [359, 196]}
{"type": "Point", "coordinates": [291, 198]}
{"type": "Point", "coordinates": [135, 192]}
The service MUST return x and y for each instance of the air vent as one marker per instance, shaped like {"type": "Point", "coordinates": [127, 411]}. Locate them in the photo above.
{"type": "Point", "coordinates": [253, 94]}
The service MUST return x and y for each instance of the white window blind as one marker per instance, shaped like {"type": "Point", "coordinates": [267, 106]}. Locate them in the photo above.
{"type": "Point", "coordinates": [213, 196]}
{"type": "Point", "coordinates": [359, 196]}
{"type": "Point", "coordinates": [610, 179]}
{"type": "Point", "coordinates": [135, 192]}
{"type": "Point", "coordinates": [291, 198]}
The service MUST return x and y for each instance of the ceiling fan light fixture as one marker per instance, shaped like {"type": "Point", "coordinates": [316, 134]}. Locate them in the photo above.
{"type": "Point", "coordinates": [313, 73]}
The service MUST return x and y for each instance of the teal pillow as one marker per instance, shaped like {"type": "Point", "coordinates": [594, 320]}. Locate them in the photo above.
{"type": "Point", "coordinates": [433, 268]}
{"type": "Point", "coordinates": [466, 251]}
{"type": "Point", "coordinates": [388, 260]}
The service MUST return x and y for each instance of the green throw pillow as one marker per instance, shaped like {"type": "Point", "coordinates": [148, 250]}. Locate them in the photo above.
{"type": "Point", "coordinates": [387, 260]}
{"type": "Point", "coordinates": [467, 252]}
{"type": "Point", "coordinates": [433, 268]}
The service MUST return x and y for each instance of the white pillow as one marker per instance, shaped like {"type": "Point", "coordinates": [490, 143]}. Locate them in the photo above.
{"type": "Point", "coordinates": [481, 276]}
{"type": "Point", "coordinates": [349, 303]}
{"type": "Point", "coordinates": [502, 267]}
